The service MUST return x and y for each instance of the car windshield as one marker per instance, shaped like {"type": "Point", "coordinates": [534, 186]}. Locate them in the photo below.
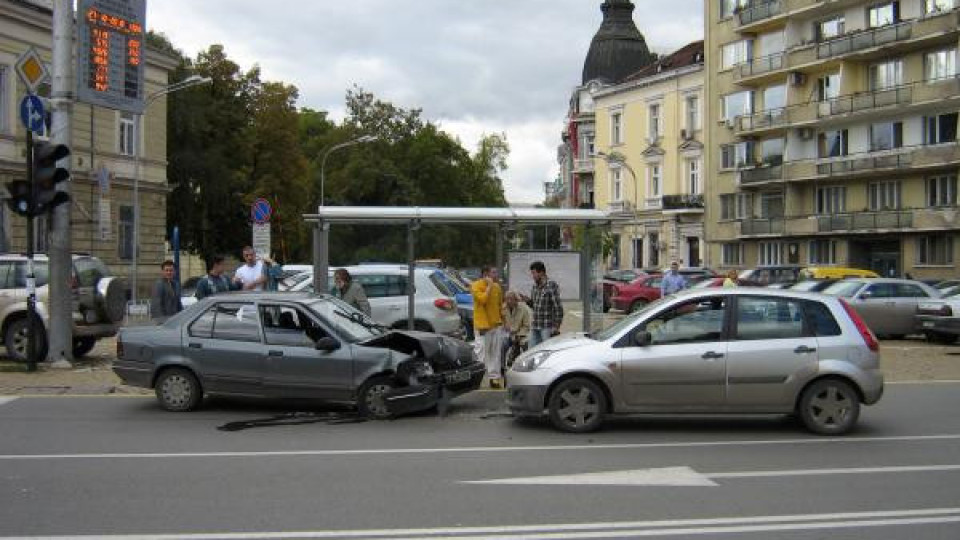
{"type": "Point", "coordinates": [628, 321]}
{"type": "Point", "coordinates": [89, 271]}
{"type": "Point", "coordinates": [352, 322]}
{"type": "Point", "coordinates": [845, 289]}
{"type": "Point", "coordinates": [290, 281]}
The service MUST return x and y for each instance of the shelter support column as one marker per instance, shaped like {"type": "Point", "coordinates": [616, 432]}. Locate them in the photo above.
{"type": "Point", "coordinates": [321, 257]}
{"type": "Point", "coordinates": [586, 289]}
{"type": "Point", "coordinates": [412, 228]}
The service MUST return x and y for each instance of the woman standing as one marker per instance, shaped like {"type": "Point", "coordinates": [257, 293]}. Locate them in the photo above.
{"type": "Point", "coordinates": [350, 292]}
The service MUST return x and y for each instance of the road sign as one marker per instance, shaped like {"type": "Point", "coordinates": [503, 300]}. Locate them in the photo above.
{"type": "Point", "coordinates": [111, 48]}
{"type": "Point", "coordinates": [31, 113]}
{"type": "Point", "coordinates": [260, 211]}
{"type": "Point", "coordinates": [261, 239]}
{"type": "Point", "coordinates": [31, 69]}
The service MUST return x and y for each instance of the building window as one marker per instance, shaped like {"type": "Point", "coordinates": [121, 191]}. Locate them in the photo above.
{"type": "Point", "coordinates": [772, 151]}
{"type": "Point", "coordinates": [4, 128]}
{"type": "Point", "coordinates": [775, 97]}
{"type": "Point", "coordinates": [939, 6]}
{"type": "Point", "coordinates": [655, 126]}
{"type": "Point", "coordinates": [884, 195]}
{"type": "Point", "coordinates": [127, 142]}
{"type": "Point", "coordinates": [886, 75]}
{"type": "Point", "coordinates": [587, 149]}
{"type": "Point", "coordinates": [694, 183]}
{"type": "Point", "coordinates": [125, 233]}
{"type": "Point", "coordinates": [616, 184]}
{"type": "Point", "coordinates": [771, 205]}
{"type": "Point", "coordinates": [822, 252]}
{"type": "Point", "coordinates": [770, 253]}
{"type": "Point", "coordinates": [942, 191]}
{"type": "Point", "coordinates": [737, 104]}
{"type": "Point", "coordinates": [736, 155]}
{"type": "Point", "coordinates": [736, 53]}
{"type": "Point", "coordinates": [940, 64]}
{"type": "Point", "coordinates": [935, 249]}
{"type": "Point", "coordinates": [693, 113]}
{"type": "Point", "coordinates": [830, 28]}
{"type": "Point", "coordinates": [654, 180]}
{"type": "Point", "coordinates": [883, 14]}
{"type": "Point", "coordinates": [732, 254]}
{"type": "Point", "coordinates": [831, 200]}
{"type": "Point", "coordinates": [886, 136]}
{"type": "Point", "coordinates": [940, 129]}
{"type": "Point", "coordinates": [729, 7]}
{"type": "Point", "coordinates": [832, 143]}
{"type": "Point", "coordinates": [616, 128]}
{"type": "Point", "coordinates": [828, 87]}
{"type": "Point", "coordinates": [654, 253]}
{"type": "Point", "coordinates": [735, 205]}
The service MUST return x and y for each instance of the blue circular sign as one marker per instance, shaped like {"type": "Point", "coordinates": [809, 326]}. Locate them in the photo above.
{"type": "Point", "coordinates": [31, 113]}
{"type": "Point", "coordinates": [260, 211]}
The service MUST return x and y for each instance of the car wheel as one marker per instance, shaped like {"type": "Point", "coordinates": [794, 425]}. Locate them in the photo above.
{"type": "Point", "coordinates": [637, 305]}
{"type": "Point", "coordinates": [829, 407]}
{"type": "Point", "coordinates": [82, 346]}
{"type": "Point", "coordinates": [178, 390]}
{"type": "Point", "coordinates": [577, 405]}
{"type": "Point", "coordinates": [944, 339]}
{"type": "Point", "coordinates": [16, 340]}
{"type": "Point", "coordinates": [370, 401]}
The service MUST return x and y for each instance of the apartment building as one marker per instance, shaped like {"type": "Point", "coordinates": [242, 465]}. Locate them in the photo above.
{"type": "Point", "coordinates": [648, 161]}
{"type": "Point", "coordinates": [833, 134]}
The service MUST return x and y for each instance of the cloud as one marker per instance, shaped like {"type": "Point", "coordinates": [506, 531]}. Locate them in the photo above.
{"type": "Point", "coordinates": [475, 66]}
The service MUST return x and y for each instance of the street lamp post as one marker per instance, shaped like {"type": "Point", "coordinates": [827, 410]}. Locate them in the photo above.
{"type": "Point", "coordinates": [619, 159]}
{"type": "Point", "coordinates": [321, 232]}
{"type": "Point", "coordinates": [140, 141]}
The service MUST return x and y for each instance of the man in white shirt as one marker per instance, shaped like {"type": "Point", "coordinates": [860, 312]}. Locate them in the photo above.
{"type": "Point", "coordinates": [250, 274]}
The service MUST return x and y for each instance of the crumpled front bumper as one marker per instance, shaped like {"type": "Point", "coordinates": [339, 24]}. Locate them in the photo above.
{"type": "Point", "coordinates": [433, 389]}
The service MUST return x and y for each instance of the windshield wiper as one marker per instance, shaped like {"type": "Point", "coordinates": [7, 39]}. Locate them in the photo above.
{"type": "Point", "coordinates": [359, 319]}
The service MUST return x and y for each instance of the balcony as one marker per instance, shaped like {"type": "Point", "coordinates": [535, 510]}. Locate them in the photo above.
{"type": "Point", "coordinates": [847, 167]}
{"type": "Point", "coordinates": [760, 11]}
{"type": "Point", "coordinates": [758, 227]}
{"type": "Point", "coordinates": [683, 202]}
{"type": "Point", "coordinates": [866, 221]}
{"type": "Point", "coordinates": [759, 66]}
{"type": "Point", "coordinates": [763, 121]}
{"type": "Point", "coordinates": [862, 101]}
{"type": "Point", "coordinates": [620, 207]}
{"type": "Point", "coordinates": [866, 39]}
{"type": "Point", "coordinates": [582, 166]}
{"type": "Point", "coordinates": [756, 175]}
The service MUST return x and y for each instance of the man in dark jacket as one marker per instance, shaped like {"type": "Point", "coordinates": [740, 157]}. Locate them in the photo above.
{"type": "Point", "coordinates": [215, 282]}
{"type": "Point", "coordinates": [164, 301]}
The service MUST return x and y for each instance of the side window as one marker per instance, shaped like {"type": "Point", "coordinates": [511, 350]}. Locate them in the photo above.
{"type": "Point", "coordinates": [820, 319]}
{"type": "Point", "coordinates": [654, 282]}
{"type": "Point", "coordinates": [761, 317]}
{"type": "Point", "coordinates": [375, 286]}
{"type": "Point", "coordinates": [907, 290]}
{"type": "Point", "coordinates": [41, 271]}
{"type": "Point", "coordinates": [695, 321]}
{"type": "Point", "coordinates": [5, 281]}
{"type": "Point", "coordinates": [880, 290]}
{"type": "Point", "coordinates": [397, 285]}
{"type": "Point", "coordinates": [236, 322]}
{"type": "Point", "coordinates": [203, 326]}
{"type": "Point", "coordinates": [289, 326]}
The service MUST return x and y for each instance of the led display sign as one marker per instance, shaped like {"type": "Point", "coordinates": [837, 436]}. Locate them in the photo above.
{"type": "Point", "coordinates": [110, 49]}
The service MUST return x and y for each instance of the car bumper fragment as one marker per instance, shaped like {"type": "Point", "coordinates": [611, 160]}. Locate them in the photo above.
{"type": "Point", "coordinates": [945, 325]}
{"type": "Point", "coordinates": [526, 400]}
{"type": "Point", "coordinates": [134, 373]}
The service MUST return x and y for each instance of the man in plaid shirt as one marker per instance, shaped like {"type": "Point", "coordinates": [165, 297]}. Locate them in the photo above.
{"type": "Point", "coordinates": [545, 302]}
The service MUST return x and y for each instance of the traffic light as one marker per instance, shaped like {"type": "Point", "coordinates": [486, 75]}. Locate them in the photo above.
{"type": "Point", "coordinates": [19, 200]}
{"type": "Point", "coordinates": [46, 176]}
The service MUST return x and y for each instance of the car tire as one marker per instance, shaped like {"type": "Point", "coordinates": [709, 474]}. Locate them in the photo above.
{"type": "Point", "coordinates": [83, 345]}
{"type": "Point", "coordinates": [370, 398]}
{"type": "Point", "coordinates": [178, 390]}
{"type": "Point", "coordinates": [829, 407]}
{"type": "Point", "coordinates": [943, 339]}
{"type": "Point", "coordinates": [577, 405]}
{"type": "Point", "coordinates": [637, 305]}
{"type": "Point", "coordinates": [15, 339]}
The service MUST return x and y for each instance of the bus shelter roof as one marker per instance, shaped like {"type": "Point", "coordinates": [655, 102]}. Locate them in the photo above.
{"type": "Point", "coordinates": [435, 214]}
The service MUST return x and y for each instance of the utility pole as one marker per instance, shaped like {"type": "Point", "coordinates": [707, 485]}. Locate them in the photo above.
{"type": "Point", "coordinates": [60, 301]}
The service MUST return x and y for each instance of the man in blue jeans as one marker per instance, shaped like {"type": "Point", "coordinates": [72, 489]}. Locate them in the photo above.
{"type": "Point", "coordinates": [545, 302]}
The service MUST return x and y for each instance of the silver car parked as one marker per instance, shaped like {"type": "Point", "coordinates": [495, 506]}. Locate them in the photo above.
{"type": "Point", "coordinates": [743, 350]}
{"type": "Point", "coordinates": [888, 305]}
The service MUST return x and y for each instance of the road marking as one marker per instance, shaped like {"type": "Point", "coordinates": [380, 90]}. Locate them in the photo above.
{"type": "Point", "coordinates": [674, 527]}
{"type": "Point", "coordinates": [487, 449]}
{"type": "Point", "coordinates": [5, 400]}
{"type": "Point", "coordinates": [687, 476]}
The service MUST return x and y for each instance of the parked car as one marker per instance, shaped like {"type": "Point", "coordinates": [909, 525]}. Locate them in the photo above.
{"type": "Point", "coordinates": [762, 276]}
{"type": "Point", "coordinates": [293, 345]}
{"type": "Point", "coordinates": [888, 305]}
{"type": "Point", "coordinates": [939, 320]}
{"type": "Point", "coordinates": [636, 295]}
{"type": "Point", "coordinates": [947, 284]}
{"type": "Point", "coordinates": [614, 278]}
{"type": "Point", "coordinates": [812, 285]}
{"type": "Point", "coordinates": [709, 283]}
{"type": "Point", "coordinates": [99, 303]}
{"type": "Point", "coordinates": [453, 285]}
{"type": "Point", "coordinates": [834, 272]}
{"type": "Point", "coordinates": [712, 351]}
{"type": "Point", "coordinates": [386, 288]}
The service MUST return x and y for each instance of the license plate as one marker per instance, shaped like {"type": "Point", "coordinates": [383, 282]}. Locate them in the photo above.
{"type": "Point", "coordinates": [458, 376]}
{"type": "Point", "coordinates": [927, 324]}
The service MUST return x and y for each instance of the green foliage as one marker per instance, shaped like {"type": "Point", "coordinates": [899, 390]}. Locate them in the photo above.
{"type": "Point", "coordinates": [600, 238]}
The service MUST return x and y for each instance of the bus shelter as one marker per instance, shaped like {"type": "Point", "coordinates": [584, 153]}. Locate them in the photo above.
{"type": "Point", "coordinates": [414, 217]}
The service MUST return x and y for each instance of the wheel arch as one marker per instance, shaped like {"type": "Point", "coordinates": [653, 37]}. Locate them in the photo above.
{"type": "Point", "coordinates": [607, 394]}
{"type": "Point", "coordinates": [828, 376]}
{"type": "Point", "coordinates": [167, 367]}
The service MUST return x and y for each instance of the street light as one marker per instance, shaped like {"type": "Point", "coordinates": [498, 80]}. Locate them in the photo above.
{"type": "Point", "coordinates": [321, 232]}
{"type": "Point", "coordinates": [193, 80]}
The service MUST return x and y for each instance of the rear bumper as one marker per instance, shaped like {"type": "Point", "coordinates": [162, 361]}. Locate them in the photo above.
{"type": "Point", "coordinates": [95, 330]}
{"type": "Point", "coordinates": [943, 325]}
{"type": "Point", "coordinates": [134, 373]}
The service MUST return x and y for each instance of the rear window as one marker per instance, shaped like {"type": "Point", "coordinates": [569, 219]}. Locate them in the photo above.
{"type": "Point", "coordinates": [820, 319]}
{"type": "Point", "coordinates": [89, 271]}
{"type": "Point", "coordinates": [845, 289]}
{"type": "Point", "coordinates": [13, 274]}
{"type": "Point", "coordinates": [761, 318]}
{"type": "Point", "coordinates": [382, 286]}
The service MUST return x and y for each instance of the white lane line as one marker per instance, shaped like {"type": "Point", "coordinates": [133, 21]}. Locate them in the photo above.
{"type": "Point", "coordinates": [489, 449]}
{"type": "Point", "coordinates": [584, 530]}
{"type": "Point", "coordinates": [5, 400]}
{"type": "Point", "coordinates": [853, 470]}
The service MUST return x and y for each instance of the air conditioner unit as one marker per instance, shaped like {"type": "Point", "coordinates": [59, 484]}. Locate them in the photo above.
{"type": "Point", "coordinates": [805, 133]}
{"type": "Point", "coordinates": [797, 78]}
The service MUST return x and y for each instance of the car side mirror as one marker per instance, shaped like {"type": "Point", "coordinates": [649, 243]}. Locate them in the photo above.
{"type": "Point", "coordinates": [866, 296]}
{"type": "Point", "coordinates": [642, 338]}
{"type": "Point", "coordinates": [327, 344]}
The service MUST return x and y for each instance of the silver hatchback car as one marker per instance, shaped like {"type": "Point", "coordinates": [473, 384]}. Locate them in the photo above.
{"type": "Point", "coordinates": [709, 351]}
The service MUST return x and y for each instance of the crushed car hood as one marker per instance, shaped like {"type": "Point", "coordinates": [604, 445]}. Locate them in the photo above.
{"type": "Point", "coordinates": [442, 352]}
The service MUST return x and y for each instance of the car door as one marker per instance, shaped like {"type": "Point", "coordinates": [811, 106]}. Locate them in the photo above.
{"type": "Point", "coordinates": [908, 296]}
{"type": "Point", "coordinates": [684, 365]}
{"type": "Point", "coordinates": [771, 346]}
{"type": "Point", "coordinates": [225, 346]}
{"type": "Point", "coordinates": [876, 303]}
{"type": "Point", "coordinates": [294, 366]}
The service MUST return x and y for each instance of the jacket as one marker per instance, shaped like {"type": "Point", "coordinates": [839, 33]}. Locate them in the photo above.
{"type": "Point", "coordinates": [518, 320]}
{"type": "Point", "coordinates": [164, 302]}
{"type": "Point", "coordinates": [486, 304]}
{"type": "Point", "coordinates": [356, 297]}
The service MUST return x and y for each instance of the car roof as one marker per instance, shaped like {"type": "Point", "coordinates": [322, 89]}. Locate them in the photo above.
{"type": "Point", "coordinates": [753, 291]}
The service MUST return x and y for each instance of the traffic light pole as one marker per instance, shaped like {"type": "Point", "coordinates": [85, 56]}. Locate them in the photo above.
{"type": "Point", "coordinates": [31, 278]}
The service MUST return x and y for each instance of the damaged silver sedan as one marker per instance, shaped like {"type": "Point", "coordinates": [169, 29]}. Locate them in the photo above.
{"type": "Point", "coordinates": [293, 345]}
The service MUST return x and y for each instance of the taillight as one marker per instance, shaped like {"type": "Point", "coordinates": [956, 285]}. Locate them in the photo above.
{"type": "Point", "coordinates": [868, 337]}
{"type": "Point", "coordinates": [444, 303]}
{"type": "Point", "coordinates": [119, 348]}
{"type": "Point", "coordinates": [939, 311]}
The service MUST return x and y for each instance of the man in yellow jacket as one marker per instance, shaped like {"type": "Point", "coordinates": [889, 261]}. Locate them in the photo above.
{"type": "Point", "coordinates": [487, 301]}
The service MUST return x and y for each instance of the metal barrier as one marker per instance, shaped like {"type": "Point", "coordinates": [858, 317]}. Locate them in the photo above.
{"type": "Point", "coordinates": [137, 313]}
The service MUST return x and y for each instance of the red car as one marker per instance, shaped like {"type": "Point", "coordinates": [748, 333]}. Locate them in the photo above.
{"type": "Point", "coordinates": [636, 294]}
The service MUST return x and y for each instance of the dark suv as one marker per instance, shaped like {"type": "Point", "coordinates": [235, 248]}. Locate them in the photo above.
{"type": "Point", "coordinates": [99, 302]}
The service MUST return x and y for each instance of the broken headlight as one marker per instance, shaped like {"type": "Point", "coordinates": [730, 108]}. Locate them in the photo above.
{"type": "Point", "coordinates": [530, 362]}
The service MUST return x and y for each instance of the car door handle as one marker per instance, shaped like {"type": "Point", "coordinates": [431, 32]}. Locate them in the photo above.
{"type": "Point", "coordinates": [710, 355]}
{"type": "Point", "coordinates": [274, 353]}
{"type": "Point", "coordinates": [195, 346]}
{"type": "Point", "coordinates": [804, 349]}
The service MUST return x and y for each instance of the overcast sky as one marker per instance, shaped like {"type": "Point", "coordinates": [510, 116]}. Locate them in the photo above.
{"type": "Point", "coordinates": [473, 66]}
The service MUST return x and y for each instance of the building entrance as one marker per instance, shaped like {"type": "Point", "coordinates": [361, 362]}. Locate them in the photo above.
{"type": "Point", "coordinates": [883, 256]}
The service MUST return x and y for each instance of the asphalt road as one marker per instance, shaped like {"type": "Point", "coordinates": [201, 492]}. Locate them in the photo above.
{"type": "Point", "coordinates": [121, 467]}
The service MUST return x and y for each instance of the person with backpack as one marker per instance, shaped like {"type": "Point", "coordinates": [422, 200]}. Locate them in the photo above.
{"type": "Point", "coordinates": [215, 282]}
